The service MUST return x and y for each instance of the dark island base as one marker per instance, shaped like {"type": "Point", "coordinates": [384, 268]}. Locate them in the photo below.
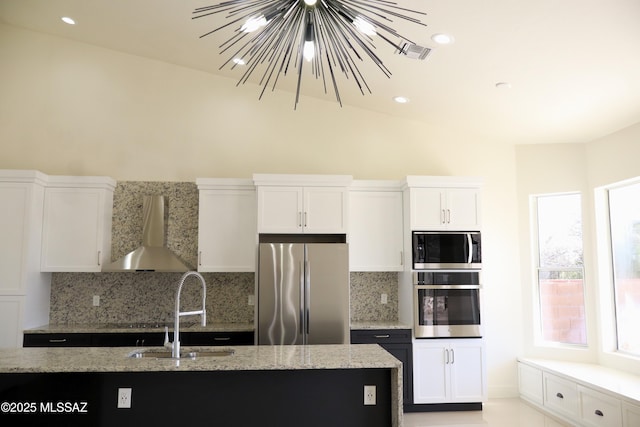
{"type": "Point", "coordinates": [233, 398]}
{"type": "Point", "coordinates": [442, 407]}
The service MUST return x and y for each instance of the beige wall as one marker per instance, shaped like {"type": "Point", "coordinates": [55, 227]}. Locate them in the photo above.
{"type": "Point", "coordinates": [70, 108]}
{"type": "Point", "coordinates": [585, 168]}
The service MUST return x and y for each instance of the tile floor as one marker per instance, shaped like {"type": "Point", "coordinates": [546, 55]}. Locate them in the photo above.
{"type": "Point", "coordinates": [495, 413]}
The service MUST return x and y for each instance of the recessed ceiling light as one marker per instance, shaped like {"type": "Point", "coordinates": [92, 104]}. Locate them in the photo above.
{"type": "Point", "coordinates": [68, 20]}
{"type": "Point", "coordinates": [401, 99]}
{"type": "Point", "coordinates": [442, 38]}
{"type": "Point", "coordinates": [238, 61]}
{"type": "Point", "coordinates": [503, 85]}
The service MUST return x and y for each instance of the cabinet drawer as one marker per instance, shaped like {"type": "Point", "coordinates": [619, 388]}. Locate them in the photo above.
{"type": "Point", "coordinates": [57, 340]}
{"type": "Point", "coordinates": [381, 336]}
{"type": "Point", "coordinates": [560, 395]}
{"type": "Point", "coordinates": [217, 338]}
{"type": "Point", "coordinates": [598, 409]}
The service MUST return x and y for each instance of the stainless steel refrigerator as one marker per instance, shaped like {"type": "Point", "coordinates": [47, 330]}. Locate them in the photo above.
{"type": "Point", "coordinates": [303, 293]}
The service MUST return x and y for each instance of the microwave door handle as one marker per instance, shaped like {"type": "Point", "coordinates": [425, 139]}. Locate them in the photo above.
{"type": "Point", "coordinates": [470, 247]}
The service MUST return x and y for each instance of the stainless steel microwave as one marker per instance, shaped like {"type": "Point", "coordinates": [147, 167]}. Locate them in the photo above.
{"type": "Point", "coordinates": [451, 250]}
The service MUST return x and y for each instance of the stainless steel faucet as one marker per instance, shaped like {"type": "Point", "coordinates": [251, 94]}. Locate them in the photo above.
{"type": "Point", "coordinates": [175, 348]}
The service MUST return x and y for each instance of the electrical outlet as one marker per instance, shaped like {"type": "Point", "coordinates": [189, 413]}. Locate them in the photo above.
{"type": "Point", "coordinates": [251, 300]}
{"type": "Point", "coordinates": [383, 298]}
{"type": "Point", "coordinates": [96, 300]}
{"type": "Point", "coordinates": [124, 398]}
{"type": "Point", "coordinates": [369, 395]}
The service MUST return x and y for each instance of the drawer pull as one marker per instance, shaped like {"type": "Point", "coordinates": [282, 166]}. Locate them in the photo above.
{"type": "Point", "coordinates": [599, 413]}
{"type": "Point", "coordinates": [559, 395]}
{"type": "Point", "coordinates": [382, 336]}
{"type": "Point", "coordinates": [61, 340]}
{"type": "Point", "coordinates": [221, 338]}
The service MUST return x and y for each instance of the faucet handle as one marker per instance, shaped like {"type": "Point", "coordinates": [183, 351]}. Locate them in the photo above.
{"type": "Point", "coordinates": [166, 337]}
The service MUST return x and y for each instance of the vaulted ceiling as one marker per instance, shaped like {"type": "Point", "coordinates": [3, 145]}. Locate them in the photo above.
{"type": "Point", "coordinates": [572, 67]}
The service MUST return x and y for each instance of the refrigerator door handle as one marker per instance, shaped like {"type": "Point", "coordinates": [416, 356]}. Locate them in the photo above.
{"type": "Point", "coordinates": [307, 297]}
{"type": "Point", "coordinates": [302, 300]}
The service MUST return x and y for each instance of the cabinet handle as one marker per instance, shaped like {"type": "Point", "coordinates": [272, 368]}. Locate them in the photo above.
{"type": "Point", "coordinates": [99, 258]}
{"type": "Point", "coordinates": [448, 216]}
{"type": "Point", "coordinates": [453, 357]}
{"type": "Point", "coordinates": [401, 258]}
{"type": "Point", "coordinates": [444, 217]}
{"type": "Point", "coordinates": [61, 340]}
{"type": "Point", "coordinates": [559, 395]}
{"type": "Point", "coordinates": [199, 257]}
{"type": "Point", "coordinates": [446, 356]}
{"type": "Point", "coordinates": [221, 338]}
{"type": "Point", "coordinates": [599, 413]}
{"type": "Point", "coordinates": [299, 219]}
{"type": "Point", "coordinates": [305, 219]}
{"type": "Point", "coordinates": [382, 336]}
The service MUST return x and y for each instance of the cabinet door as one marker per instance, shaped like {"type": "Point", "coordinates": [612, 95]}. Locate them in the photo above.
{"type": "Point", "coordinates": [11, 309]}
{"type": "Point", "coordinates": [280, 209]}
{"type": "Point", "coordinates": [375, 231]}
{"type": "Point", "coordinates": [325, 210]}
{"type": "Point", "coordinates": [430, 372]}
{"type": "Point", "coordinates": [14, 216]}
{"type": "Point", "coordinates": [530, 383]}
{"type": "Point", "coordinates": [468, 379]}
{"type": "Point", "coordinates": [462, 209]}
{"type": "Point", "coordinates": [403, 353]}
{"type": "Point", "coordinates": [74, 236]}
{"type": "Point", "coordinates": [427, 207]}
{"type": "Point", "coordinates": [227, 231]}
{"type": "Point", "coordinates": [630, 415]}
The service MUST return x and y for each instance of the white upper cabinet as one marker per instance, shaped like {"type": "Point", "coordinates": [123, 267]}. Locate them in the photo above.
{"type": "Point", "coordinates": [226, 225]}
{"type": "Point", "coordinates": [302, 203]}
{"type": "Point", "coordinates": [77, 224]}
{"type": "Point", "coordinates": [444, 203]}
{"type": "Point", "coordinates": [375, 226]}
{"type": "Point", "coordinates": [24, 291]}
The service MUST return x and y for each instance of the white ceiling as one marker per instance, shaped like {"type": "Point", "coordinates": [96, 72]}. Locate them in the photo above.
{"type": "Point", "coordinates": [573, 65]}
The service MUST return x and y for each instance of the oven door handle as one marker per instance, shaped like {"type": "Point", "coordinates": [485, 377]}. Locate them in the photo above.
{"type": "Point", "coordinates": [470, 247]}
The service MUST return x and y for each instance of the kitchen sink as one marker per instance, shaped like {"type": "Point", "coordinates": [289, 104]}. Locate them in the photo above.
{"type": "Point", "coordinates": [185, 354]}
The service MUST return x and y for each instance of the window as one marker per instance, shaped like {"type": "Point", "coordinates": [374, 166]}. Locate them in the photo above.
{"type": "Point", "coordinates": [559, 266]}
{"type": "Point", "coordinates": [624, 217]}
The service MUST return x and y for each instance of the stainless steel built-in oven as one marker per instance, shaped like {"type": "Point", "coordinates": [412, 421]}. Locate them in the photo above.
{"type": "Point", "coordinates": [447, 304]}
{"type": "Point", "coordinates": [451, 250]}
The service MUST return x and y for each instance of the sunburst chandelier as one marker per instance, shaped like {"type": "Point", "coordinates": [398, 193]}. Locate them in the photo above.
{"type": "Point", "coordinates": [334, 36]}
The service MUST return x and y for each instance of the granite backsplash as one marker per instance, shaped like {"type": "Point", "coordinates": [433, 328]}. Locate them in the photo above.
{"type": "Point", "coordinates": [149, 297]}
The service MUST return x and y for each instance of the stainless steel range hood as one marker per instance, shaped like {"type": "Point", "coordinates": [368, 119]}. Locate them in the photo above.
{"type": "Point", "coordinates": [153, 255]}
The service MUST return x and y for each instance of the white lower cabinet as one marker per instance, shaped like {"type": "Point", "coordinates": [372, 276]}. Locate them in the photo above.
{"type": "Point", "coordinates": [598, 409]}
{"type": "Point", "coordinates": [449, 371]}
{"type": "Point", "coordinates": [530, 383]}
{"type": "Point", "coordinates": [580, 400]}
{"type": "Point", "coordinates": [560, 395]}
{"type": "Point", "coordinates": [630, 415]}
{"type": "Point", "coordinates": [11, 321]}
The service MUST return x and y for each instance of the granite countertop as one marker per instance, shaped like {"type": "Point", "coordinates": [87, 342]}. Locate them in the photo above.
{"type": "Point", "coordinates": [185, 326]}
{"type": "Point", "coordinates": [384, 324]}
{"type": "Point", "coordinates": [247, 358]}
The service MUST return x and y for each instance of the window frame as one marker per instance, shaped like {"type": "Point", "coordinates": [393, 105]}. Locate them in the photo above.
{"type": "Point", "coordinates": [611, 291]}
{"type": "Point", "coordinates": [536, 269]}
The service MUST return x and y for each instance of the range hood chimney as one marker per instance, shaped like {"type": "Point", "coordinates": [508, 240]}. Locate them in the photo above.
{"type": "Point", "coordinates": [153, 255]}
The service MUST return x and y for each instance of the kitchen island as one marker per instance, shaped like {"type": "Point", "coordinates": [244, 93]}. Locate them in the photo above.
{"type": "Point", "coordinates": [317, 385]}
